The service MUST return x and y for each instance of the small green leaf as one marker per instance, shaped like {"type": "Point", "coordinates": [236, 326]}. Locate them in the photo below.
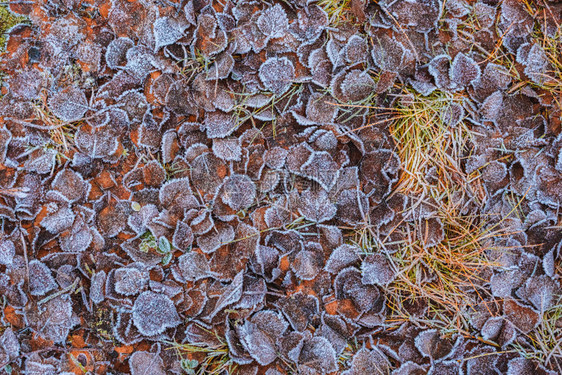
{"type": "Point", "coordinates": [167, 258]}
{"type": "Point", "coordinates": [164, 245]}
{"type": "Point", "coordinates": [136, 206]}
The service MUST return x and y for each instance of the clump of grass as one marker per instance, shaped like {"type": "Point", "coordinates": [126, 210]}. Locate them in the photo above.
{"type": "Point", "coordinates": [242, 112]}
{"type": "Point", "coordinates": [199, 359]}
{"type": "Point", "coordinates": [448, 277]}
{"type": "Point", "coordinates": [426, 142]}
{"type": "Point", "coordinates": [546, 340]}
{"type": "Point", "coordinates": [551, 45]}
{"type": "Point", "coordinates": [61, 133]}
{"type": "Point", "coordinates": [339, 11]}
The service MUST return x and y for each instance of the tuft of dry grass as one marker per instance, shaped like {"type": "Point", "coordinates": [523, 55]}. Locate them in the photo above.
{"type": "Point", "coordinates": [338, 11]}
{"type": "Point", "coordinates": [551, 45]}
{"type": "Point", "coordinates": [61, 133]}
{"type": "Point", "coordinates": [199, 359]}
{"type": "Point", "coordinates": [449, 278]}
{"type": "Point", "coordinates": [545, 342]}
{"type": "Point", "coordinates": [426, 143]}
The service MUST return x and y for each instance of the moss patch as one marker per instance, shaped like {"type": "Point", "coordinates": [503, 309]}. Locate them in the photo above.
{"type": "Point", "coordinates": [7, 21]}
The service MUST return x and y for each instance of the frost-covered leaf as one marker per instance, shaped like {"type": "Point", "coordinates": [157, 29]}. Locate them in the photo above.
{"type": "Point", "coordinates": [194, 266]}
{"type": "Point", "coordinates": [112, 219]}
{"type": "Point", "coordinates": [317, 357]}
{"type": "Point", "coordinates": [54, 320]}
{"type": "Point", "coordinates": [275, 157]}
{"type": "Point", "coordinates": [322, 168]}
{"type": "Point", "coordinates": [277, 74]}
{"type": "Point", "coordinates": [59, 217]}
{"type": "Point", "coordinates": [10, 343]}
{"type": "Point", "coordinates": [377, 270]}
{"type": "Point", "coordinates": [207, 172]}
{"type": "Point", "coordinates": [388, 54]}
{"type": "Point", "coordinates": [221, 69]}
{"type": "Point", "coordinates": [300, 310]}
{"type": "Point", "coordinates": [316, 206]}
{"type": "Point", "coordinates": [219, 124]}
{"type": "Point", "coordinates": [69, 104]}
{"type": "Point", "coordinates": [116, 54]}
{"type": "Point", "coordinates": [525, 366]}
{"type": "Point", "coordinates": [503, 283]}
{"type": "Point", "coordinates": [79, 238]}
{"type": "Point", "coordinates": [464, 70]}
{"type": "Point", "coordinates": [273, 21]}
{"type": "Point", "coordinates": [143, 363]}
{"type": "Point", "coordinates": [7, 251]}
{"type": "Point", "coordinates": [183, 236]}
{"type": "Point", "coordinates": [321, 109]}
{"type": "Point", "coordinates": [215, 238]}
{"type": "Point", "coordinates": [41, 160]}
{"type": "Point", "coordinates": [356, 50]}
{"type": "Point", "coordinates": [535, 59]}
{"type": "Point", "coordinates": [153, 313]}
{"type": "Point", "coordinates": [230, 294]}
{"type": "Point", "coordinates": [421, 15]}
{"type": "Point", "coordinates": [97, 287]}
{"type": "Point", "coordinates": [438, 67]}
{"type": "Point", "coordinates": [524, 318]}
{"type": "Point", "coordinates": [227, 149]}
{"type": "Point", "coordinates": [307, 264]}
{"type": "Point", "coordinates": [367, 361]}
{"type": "Point", "coordinates": [452, 367]}
{"type": "Point", "coordinates": [431, 344]}
{"type": "Point", "coordinates": [260, 333]}
{"type": "Point", "coordinates": [353, 206]}
{"type": "Point", "coordinates": [540, 291]}
{"type": "Point", "coordinates": [176, 194]}
{"type": "Point", "coordinates": [342, 257]}
{"type": "Point", "coordinates": [167, 31]}
{"type": "Point", "coordinates": [491, 106]}
{"type": "Point", "coordinates": [70, 184]}
{"type": "Point", "coordinates": [238, 192]}
{"type": "Point", "coordinates": [40, 279]}
{"type": "Point", "coordinates": [357, 85]}
{"type": "Point", "coordinates": [491, 329]}
{"type": "Point", "coordinates": [129, 280]}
